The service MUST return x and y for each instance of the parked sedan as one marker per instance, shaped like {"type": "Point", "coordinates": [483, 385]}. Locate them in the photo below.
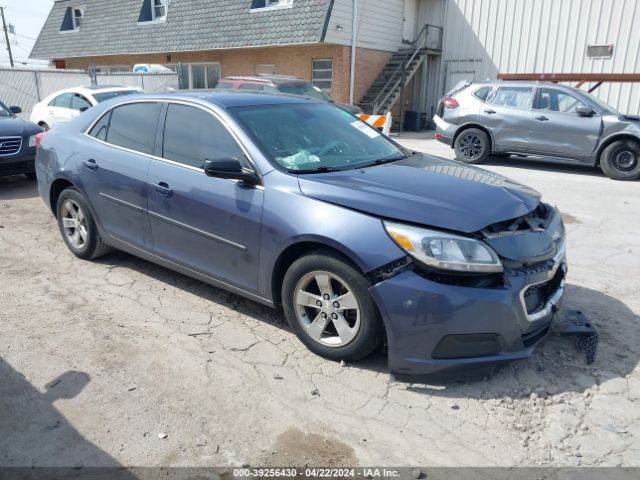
{"type": "Point", "coordinates": [547, 120]}
{"type": "Point", "coordinates": [64, 105]}
{"type": "Point", "coordinates": [293, 202]}
{"type": "Point", "coordinates": [17, 143]}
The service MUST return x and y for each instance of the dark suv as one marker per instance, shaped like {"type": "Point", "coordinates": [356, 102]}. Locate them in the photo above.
{"type": "Point", "coordinates": [17, 143]}
{"type": "Point", "coordinates": [283, 84]}
{"type": "Point", "coordinates": [548, 120]}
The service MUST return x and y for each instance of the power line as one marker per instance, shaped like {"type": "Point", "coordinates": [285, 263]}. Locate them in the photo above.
{"type": "Point", "coordinates": [25, 37]}
{"type": "Point", "coordinates": [6, 35]}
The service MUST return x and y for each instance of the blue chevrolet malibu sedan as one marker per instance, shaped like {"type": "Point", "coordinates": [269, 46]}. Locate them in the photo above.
{"type": "Point", "coordinates": [295, 203]}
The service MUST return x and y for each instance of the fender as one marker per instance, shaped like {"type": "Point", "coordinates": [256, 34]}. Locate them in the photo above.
{"type": "Point", "coordinates": [472, 124]}
{"type": "Point", "coordinates": [605, 142]}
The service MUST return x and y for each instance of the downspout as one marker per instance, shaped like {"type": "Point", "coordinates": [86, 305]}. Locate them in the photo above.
{"type": "Point", "coordinates": [354, 38]}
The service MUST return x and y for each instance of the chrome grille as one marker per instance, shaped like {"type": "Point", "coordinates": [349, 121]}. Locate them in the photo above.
{"type": "Point", "coordinates": [10, 145]}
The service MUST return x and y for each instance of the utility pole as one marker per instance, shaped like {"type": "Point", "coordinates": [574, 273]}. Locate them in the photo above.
{"type": "Point", "coordinates": [6, 36]}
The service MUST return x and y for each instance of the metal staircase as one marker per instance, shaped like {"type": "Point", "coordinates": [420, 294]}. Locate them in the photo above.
{"type": "Point", "coordinates": [398, 72]}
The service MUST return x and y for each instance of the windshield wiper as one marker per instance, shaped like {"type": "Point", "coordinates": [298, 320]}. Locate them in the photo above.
{"type": "Point", "coordinates": [315, 170]}
{"type": "Point", "coordinates": [382, 161]}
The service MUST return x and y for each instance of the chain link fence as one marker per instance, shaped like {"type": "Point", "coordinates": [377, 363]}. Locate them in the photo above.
{"type": "Point", "coordinates": [25, 88]}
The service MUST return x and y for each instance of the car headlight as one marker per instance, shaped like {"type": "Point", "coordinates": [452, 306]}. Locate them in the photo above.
{"type": "Point", "coordinates": [444, 251]}
{"type": "Point", "coordinates": [32, 141]}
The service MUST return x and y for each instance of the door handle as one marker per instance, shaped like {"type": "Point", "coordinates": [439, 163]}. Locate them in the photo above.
{"type": "Point", "coordinates": [91, 164]}
{"type": "Point", "coordinates": [541, 118]}
{"type": "Point", "coordinates": [163, 189]}
{"type": "Point", "coordinates": [490, 112]}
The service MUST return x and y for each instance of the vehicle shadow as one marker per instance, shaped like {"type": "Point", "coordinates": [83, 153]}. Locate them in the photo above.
{"type": "Point", "coordinates": [555, 365]}
{"type": "Point", "coordinates": [17, 187]}
{"type": "Point", "coordinates": [541, 164]}
{"type": "Point", "coordinates": [35, 435]}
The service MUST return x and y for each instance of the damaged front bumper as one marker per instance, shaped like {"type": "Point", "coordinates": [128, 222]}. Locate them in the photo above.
{"type": "Point", "coordinates": [435, 327]}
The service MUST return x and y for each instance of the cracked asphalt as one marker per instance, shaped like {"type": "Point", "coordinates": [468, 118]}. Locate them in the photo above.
{"type": "Point", "coordinates": [99, 360]}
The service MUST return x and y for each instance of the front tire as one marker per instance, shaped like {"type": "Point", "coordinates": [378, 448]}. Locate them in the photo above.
{"type": "Point", "coordinates": [472, 146]}
{"type": "Point", "coordinates": [621, 160]}
{"type": "Point", "coordinates": [78, 227]}
{"type": "Point", "coordinates": [327, 303]}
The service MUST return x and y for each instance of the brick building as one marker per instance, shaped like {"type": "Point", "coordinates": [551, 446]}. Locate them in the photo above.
{"type": "Point", "coordinates": [311, 39]}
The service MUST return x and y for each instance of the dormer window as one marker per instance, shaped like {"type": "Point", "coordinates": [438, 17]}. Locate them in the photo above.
{"type": "Point", "coordinates": [159, 9]}
{"type": "Point", "coordinates": [72, 19]}
{"type": "Point", "coordinates": [261, 5]}
{"type": "Point", "coordinates": [153, 11]}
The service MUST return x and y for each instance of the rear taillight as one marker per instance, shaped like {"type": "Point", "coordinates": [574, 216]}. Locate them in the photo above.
{"type": "Point", "coordinates": [451, 103]}
{"type": "Point", "coordinates": [39, 138]}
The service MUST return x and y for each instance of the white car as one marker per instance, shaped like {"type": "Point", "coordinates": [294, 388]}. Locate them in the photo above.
{"type": "Point", "coordinates": [66, 104]}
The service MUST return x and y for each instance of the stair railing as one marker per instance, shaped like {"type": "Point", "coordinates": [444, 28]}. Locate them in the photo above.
{"type": "Point", "coordinates": [399, 73]}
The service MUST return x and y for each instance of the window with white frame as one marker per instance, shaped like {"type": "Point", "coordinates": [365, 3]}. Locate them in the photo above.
{"type": "Point", "coordinates": [197, 76]}
{"type": "Point", "coordinates": [322, 73]}
{"type": "Point", "coordinates": [153, 11]}
{"type": "Point", "coordinates": [259, 5]}
{"type": "Point", "coordinates": [72, 19]}
{"type": "Point", "coordinates": [78, 13]}
{"type": "Point", "coordinates": [159, 9]}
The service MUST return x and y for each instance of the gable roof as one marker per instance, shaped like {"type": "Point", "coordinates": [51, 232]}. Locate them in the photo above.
{"type": "Point", "coordinates": [110, 27]}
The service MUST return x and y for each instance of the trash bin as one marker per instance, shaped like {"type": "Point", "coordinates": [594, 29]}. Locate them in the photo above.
{"type": "Point", "coordinates": [415, 121]}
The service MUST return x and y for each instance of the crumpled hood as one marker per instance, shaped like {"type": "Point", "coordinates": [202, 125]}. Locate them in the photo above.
{"type": "Point", "coordinates": [426, 190]}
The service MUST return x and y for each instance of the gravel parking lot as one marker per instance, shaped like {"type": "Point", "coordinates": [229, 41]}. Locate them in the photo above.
{"type": "Point", "coordinates": [99, 360]}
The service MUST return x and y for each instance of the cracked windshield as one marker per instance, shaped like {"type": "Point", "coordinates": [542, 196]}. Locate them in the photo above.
{"type": "Point", "coordinates": [315, 137]}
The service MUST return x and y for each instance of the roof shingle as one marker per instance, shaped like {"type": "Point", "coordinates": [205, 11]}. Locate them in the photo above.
{"type": "Point", "coordinates": [111, 27]}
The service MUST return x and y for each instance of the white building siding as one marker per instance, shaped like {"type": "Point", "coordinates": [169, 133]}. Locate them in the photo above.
{"type": "Point", "coordinates": [380, 24]}
{"type": "Point", "coordinates": [487, 37]}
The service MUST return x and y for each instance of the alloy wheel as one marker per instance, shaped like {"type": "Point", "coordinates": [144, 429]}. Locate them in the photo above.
{"type": "Point", "coordinates": [74, 224]}
{"type": "Point", "coordinates": [471, 146]}
{"type": "Point", "coordinates": [327, 308]}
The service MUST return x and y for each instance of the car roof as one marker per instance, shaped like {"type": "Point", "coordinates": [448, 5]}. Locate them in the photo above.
{"type": "Point", "coordinates": [233, 98]}
{"type": "Point", "coordinates": [91, 90]}
{"type": "Point", "coordinates": [521, 83]}
{"type": "Point", "coordinates": [274, 79]}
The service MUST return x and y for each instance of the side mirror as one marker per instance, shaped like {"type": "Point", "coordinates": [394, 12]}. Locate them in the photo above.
{"type": "Point", "coordinates": [84, 109]}
{"type": "Point", "coordinates": [584, 111]}
{"type": "Point", "coordinates": [229, 168]}
{"type": "Point", "coordinates": [15, 110]}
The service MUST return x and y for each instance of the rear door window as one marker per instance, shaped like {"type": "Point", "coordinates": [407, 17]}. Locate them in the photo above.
{"type": "Point", "coordinates": [101, 127]}
{"type": "Point", "coordinates": [192, 136]}
{"type": "Point", "coordinates": [133, 126]}
{"type": "Point", "coordinates": [78, 102]}
{"type": "Point", "coordinates": [514, 97]}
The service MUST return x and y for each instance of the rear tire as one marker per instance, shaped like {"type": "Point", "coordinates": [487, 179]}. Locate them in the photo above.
{"type": "Point", "coordinates": [327, 303]}
{"type": "Point", "coordinates": [472, 146]}
{"type": "Point", "coordinates": [621, 160]}
{"type": "Point", "coordinates": [77, 226]}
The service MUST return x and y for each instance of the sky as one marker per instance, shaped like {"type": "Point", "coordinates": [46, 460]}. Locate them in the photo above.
{"type": "Point", "coordinates": [27, 16]}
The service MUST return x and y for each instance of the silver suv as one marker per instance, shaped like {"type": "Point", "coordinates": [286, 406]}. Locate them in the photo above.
{"type": "Point", "coordinates": [540, 119]}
